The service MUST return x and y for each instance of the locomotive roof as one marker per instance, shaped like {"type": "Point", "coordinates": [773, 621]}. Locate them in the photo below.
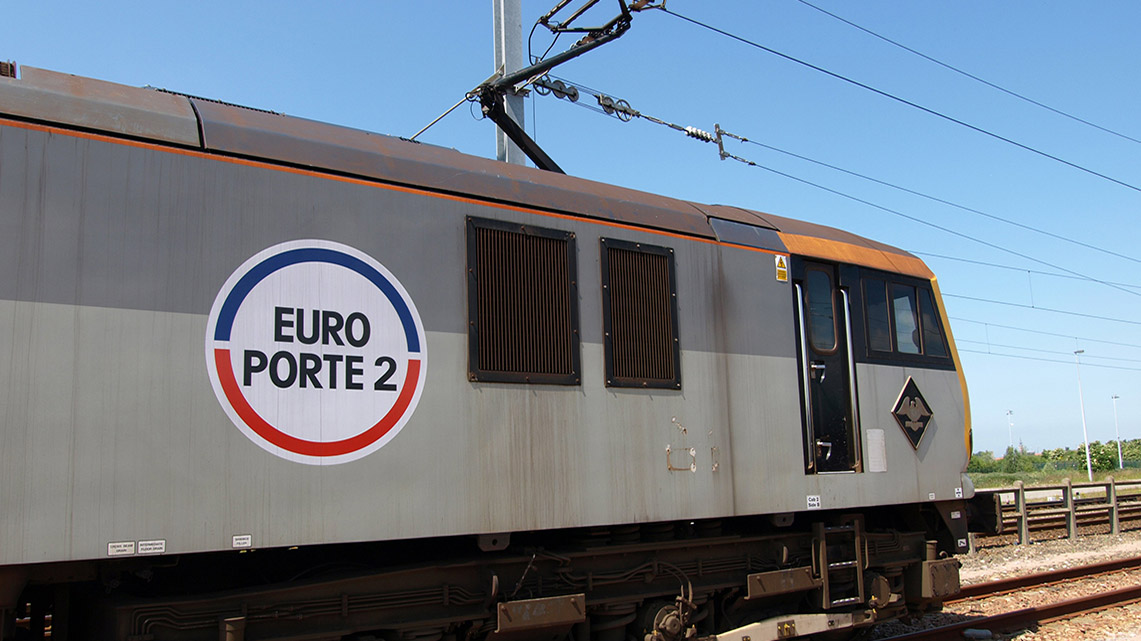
{"type": "Point", "coordinates": [218, 127]}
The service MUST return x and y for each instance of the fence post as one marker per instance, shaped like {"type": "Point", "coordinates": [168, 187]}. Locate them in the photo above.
{"type": "Point", "coordinates": [1071, 514]}
{"type": "Point", "coordinates": [1020, 505]}
{"type": "Point", "coordinates": [1111, 498]}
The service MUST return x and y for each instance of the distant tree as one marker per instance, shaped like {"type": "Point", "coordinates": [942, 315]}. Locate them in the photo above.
{"type": "Point", "coordinates": [1131, 450]}
{"type": "Point", "coordinates": [1015, 461]}
{"type": "Point", "coordinates": [982, 463]}
{"type": "Point", "coordinates": [1066, 456]}
{"type": "Point", "coordinates": [1103, 457]}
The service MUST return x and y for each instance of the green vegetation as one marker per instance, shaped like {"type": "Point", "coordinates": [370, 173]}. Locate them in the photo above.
{"type": "Point", "coordinates": [1051, 466]}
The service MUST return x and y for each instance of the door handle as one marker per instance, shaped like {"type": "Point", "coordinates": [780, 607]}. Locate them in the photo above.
{"type": "Point", "coordinates": [818, 366]}
{"type": "Point", "coordinates": [826, 446]}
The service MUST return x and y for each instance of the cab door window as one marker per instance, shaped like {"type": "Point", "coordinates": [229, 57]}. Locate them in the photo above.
{"type": "Point", "coordinates": [821, 314]}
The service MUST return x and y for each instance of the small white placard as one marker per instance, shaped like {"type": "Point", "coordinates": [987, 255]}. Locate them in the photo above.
{"type": "Point", "coordinates": [958, 492]}
{"type": "Point", "coordinates": [962, 543]}
{"type": "Point", "coordinates": [782, 268]}
{"type": "Point", "coordinates": [243, 540]}
{"type": "Point", "coordinates": [877, 451]}
{"type": "Point", "coordinates": [955, 514]}
{"type": "Point", "coordinates": [155, 546]}
{"type": "Point", "coordinates": [813, 501]}
{"type": "Point", "coordinates": [121, 548]}
{"type": "Point", "coordinates": [930, 496]}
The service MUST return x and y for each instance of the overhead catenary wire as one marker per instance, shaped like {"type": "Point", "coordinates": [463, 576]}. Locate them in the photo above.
{"type": "Point", "coordinates": [878, 181]}
{"type": "Point", "coordinates": [1015, 328]}
{"type": "Point", "coordinates": [928, 223]}
{"type": "Point", "coordinates": [903, 101]}
{"type": "Point", "coordinates": [1049, 360]}
{"type": "Point", "coordinates": [984, 263]}
{"type": "Point", "coordinates": [991, 344]}
{"type": "Point", "coordinates": [978, 299]}
{"type": "Point", "coordinates": [440, 117]}
{"type": "Point", "coordinates": [970, 75]}
{"type": "Point", "coordinates": [719, 134]}
{"type": "Point", "coordinates": [530, 56]}
{"type": "Point", "coordinates": [943, 201]}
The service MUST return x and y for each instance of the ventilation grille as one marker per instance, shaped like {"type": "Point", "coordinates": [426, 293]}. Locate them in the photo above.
{"type": "Point", "coordinates": [523, 304]}
{"type": "Point", "coordinates": [640, 303]}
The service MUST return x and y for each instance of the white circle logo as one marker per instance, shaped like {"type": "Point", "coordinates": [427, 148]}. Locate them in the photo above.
{"type": "Point", "coordinates": [316, 352]}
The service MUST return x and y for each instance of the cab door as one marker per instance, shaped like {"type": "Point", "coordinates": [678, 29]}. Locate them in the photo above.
{"type": "Point", "coordinates": [827, 372]}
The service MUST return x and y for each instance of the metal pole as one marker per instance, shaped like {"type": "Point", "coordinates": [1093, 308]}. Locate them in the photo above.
{"type": "Point", "coordinates": [508, 33]}
{"type": "Point", "coordinates": [1082, 401]}
{"type": "Point", "coordinates": [1117, 432]}
{"type": "Point", "coordinates": [1010, 427]}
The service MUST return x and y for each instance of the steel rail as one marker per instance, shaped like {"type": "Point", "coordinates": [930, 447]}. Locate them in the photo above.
{"type": "Point", "coordinates": [1018, 619]}
{"type": "Point", "coordinates": [1002, 586]}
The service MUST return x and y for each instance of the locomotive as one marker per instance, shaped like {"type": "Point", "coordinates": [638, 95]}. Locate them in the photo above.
{"type": "Point", "coordinates": [270, 378]}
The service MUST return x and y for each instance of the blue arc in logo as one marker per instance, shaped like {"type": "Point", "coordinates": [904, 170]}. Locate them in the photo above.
{"type": "Point", "coordinates": [312, 255]}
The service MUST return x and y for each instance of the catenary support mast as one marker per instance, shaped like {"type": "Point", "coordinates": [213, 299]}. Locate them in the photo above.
{"type": "Point", "coordinates": [508, 33]}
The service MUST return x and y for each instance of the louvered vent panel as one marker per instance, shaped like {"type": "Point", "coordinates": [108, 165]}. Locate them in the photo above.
{"type": "Point", "coordinates": [524, 327]}
{"type": "Point", "coordinates": [642, 317]}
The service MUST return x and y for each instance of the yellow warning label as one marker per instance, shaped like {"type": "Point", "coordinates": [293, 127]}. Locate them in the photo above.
{"type": "Point", "coordinates": [782, 268]}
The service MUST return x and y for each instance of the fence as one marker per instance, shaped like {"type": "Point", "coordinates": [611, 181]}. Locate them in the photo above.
{"type": "Point", "coordinates": [1068, 506]}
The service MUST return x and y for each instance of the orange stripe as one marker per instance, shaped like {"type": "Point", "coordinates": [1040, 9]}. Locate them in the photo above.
{"type": "Point", "coordinates": [261, 164]}
{"type": "Point", "coordinates": [958, 370]}
{"type": "Point", "coordinates": [842, 252]}
{"type": "Point", "coordinates": [796, 244]}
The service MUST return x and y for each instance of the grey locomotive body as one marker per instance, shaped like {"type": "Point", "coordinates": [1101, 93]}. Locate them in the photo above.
{"type": "Point", "coordinates": [434, 394]}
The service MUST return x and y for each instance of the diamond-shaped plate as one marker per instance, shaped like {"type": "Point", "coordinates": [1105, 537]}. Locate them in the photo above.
{"type": "Point", "coordinates": [912, 412]}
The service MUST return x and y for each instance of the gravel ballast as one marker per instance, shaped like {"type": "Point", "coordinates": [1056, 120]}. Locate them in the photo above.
{"type": "Point", "coordinates": [993, 562]}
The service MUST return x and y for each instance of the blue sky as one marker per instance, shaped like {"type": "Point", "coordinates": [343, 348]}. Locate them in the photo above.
{"type": "Point", "coordinates": [392, 67]}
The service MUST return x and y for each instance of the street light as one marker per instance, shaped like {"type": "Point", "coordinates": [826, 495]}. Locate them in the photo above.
{"type": "Point", "coordinates": [1120, 461]}
{"type": "Point", "coordinates": [1010, 427]}
{"type": "Point", "coordinates": [1082, 401]}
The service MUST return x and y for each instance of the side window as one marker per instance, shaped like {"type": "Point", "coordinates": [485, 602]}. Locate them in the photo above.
{"type": "Point", "coordinates": [639, 308]}
{"type": "Point", "coordinates": [933, 344]}
{"type": "Point", "coordinates": [901, 319]}
{"type": "Point", "coordinates": [879, 324]}
{"type": "Point", "coordinates": [906, 319]}
{"type": "Point", "coordinates": [522, 304]}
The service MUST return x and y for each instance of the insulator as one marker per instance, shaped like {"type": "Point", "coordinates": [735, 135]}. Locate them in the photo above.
{"type": "Point", "coordinates": [694, 132]}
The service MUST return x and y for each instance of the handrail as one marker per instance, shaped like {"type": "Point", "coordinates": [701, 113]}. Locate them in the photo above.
{"type": "Point", "coordinates": [806, 380]}
{"type": "Point", "coordinates": [853, 404]}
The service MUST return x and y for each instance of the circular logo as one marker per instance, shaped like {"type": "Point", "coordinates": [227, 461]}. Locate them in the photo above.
{"type": "Point", "coordinates": [316, 352]}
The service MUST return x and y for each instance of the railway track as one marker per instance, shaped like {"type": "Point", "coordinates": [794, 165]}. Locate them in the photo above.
{"type": "Point", "coordinates": [1025, 617]}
